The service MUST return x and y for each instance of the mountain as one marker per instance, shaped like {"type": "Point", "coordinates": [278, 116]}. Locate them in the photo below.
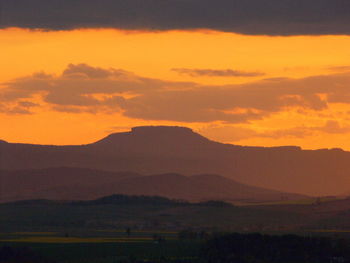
{"type": "Point", "coordinates": [23, 184]}
{"type": "Point", "coordinates": [86, 184]}
{"type": "Point", "coordinates": [164, 149]}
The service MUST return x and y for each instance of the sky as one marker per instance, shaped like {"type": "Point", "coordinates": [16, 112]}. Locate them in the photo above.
{"type": "Point", "coordinates": [248, 72]}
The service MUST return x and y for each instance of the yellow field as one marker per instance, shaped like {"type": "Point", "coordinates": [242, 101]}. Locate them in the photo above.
{"type": "Point", "coordinates": [54, 237]}
{"type": "Point", "coordinates": [138, 231]}
{"type": "Point", "coordinates": [76, 240]}
{"type": "Point", "coordinates": [35, 233]}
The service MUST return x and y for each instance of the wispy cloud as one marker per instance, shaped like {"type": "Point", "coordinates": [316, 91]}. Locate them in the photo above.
{"type": "Point", "coordinates": [18, 107]}
{"type": "Point", "coordinates": [339, 68]}
{"type": "Point", "coordinates": [216, 72]}
{"type": "Point", "coordinates": [234, 133]}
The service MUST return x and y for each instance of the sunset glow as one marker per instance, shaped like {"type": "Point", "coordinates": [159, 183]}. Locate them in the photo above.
{"type": "Point", "coordinates": [159, 55]}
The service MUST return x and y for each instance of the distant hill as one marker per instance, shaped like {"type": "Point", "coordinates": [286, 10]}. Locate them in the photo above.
{"type": "Point", "coordinates": [36, 183]}
{"type": "Point", "coordinates": [143, 213]}
{"type": "Point", "coordinates": [87, 184]}
{"type": "Point", "coordinates": [162, 150]}
{"type": "Point", "coordinates": [119, 199]}
{"type": "Point", "coordinates": [155, 212]}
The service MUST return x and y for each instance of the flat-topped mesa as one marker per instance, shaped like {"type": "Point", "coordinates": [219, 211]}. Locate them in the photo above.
{"type": "Point", "coordinates": [175, 134]}
{"type": "Point", "coordinates": [152, 129]}
{"type": "Point", "coordinates": [285, 148]}
{"type": "Point", "coordinates": [163, 131]}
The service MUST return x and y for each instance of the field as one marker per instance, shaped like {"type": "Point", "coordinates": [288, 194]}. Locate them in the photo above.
{"type": "Point", "coordinates": [116, 236]}
{"type": "Point", "coordinates": [115, 246]}
{"type": "Point", "coordinates": [98, 233]}
{"type": "Point", "coordinates": [140, 245]}
{"type": "Point", "coordinates": [106, 233]}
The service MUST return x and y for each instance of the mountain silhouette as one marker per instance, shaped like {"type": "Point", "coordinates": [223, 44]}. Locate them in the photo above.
{"type": "Point", "coordinates": [166, 149]}
{"type": "Point", "coordinates": [87, 184]}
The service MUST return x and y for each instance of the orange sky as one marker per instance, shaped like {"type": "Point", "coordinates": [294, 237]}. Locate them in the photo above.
{"type": "Point", "coordinates": [153, 55]}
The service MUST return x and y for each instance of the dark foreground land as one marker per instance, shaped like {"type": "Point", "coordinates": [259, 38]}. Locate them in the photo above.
{"type": "Point", "coordinates": [220, 248]}
{"type": "Point", "coordinates": [155, 229]}
{"type": "Point", "coordinates": [132, 251]}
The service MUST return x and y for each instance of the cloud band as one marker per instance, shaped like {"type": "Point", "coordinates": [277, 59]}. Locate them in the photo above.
{"type": "Point", "coordinates": [254, 17]}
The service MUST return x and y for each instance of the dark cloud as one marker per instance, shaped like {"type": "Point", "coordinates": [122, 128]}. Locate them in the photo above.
{"type": "Point", "coordinates": [82, 88]}
{"type": "Point", "coordinates": [216, 72]}
{"type": "Point", "coordinates": [263, 17]}
{"type": "Point", "coordinates": [78, 84]}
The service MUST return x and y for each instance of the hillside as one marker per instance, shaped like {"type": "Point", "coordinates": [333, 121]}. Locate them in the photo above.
{"type": "Point", "coordinates": [87, 184]}
{"type": "Point", "coordinates": [140, 213]}
{"type": "Point", "coordinates": [161, 150]}
{"type": "Point", "coordinates": [154, 212]}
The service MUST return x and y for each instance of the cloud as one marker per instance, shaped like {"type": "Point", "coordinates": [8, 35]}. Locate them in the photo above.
{"type": "Point", "coordinates": [239, 103]}
{"type": "Point", "coordinates": [268, 17]}
{"type": "Point", "coordinates": [236, 103]}
{"type": "Point", "coordinates": [229, 133]}
{"type": "Point", "coordinates": [20, 108]}
{"type": "Point", "coordinates": [334, 127]}
{"type": "Point", "coordinates": [83, 88]}
{"type": "Point", "coordinates": [216, 72]}
{"type": "Point", "coordinates": [330, 127]}
{"type": "Point", "coordinates": [27, 104]}
{"type": "Point", "coordinates": [339, 68]}
{"type": "Point", "coordinates": [78, 84]}
{"type": "Point", "coordinates": [118, 129]}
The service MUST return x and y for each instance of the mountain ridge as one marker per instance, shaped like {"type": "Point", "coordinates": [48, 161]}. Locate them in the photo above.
{"type": "Point", "coordinates": [160, 150]}
{"type": "Point", "coordinates": [147, 130]}
{"type": "Point", "coordinates": [86, 184]}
